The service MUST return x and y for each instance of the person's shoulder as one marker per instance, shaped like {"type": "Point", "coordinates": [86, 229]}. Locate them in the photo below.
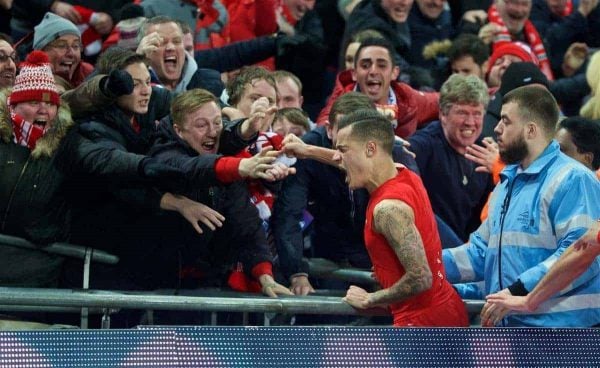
{"type": "Point", "coordinates": [316, 137]}
{"type": "Point", "coordinates": [430, 133]}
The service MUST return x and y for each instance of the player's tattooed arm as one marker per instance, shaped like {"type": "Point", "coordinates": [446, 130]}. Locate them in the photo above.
{"type": "Point", "coordinates": [394, 219]}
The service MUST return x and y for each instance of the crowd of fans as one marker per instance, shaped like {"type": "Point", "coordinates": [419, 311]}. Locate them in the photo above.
{"type": "Point", "coordinates": [198, 141]}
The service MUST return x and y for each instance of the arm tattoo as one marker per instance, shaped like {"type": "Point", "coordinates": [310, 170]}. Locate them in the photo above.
{"type": "Point", "coordinates": [394, 220]}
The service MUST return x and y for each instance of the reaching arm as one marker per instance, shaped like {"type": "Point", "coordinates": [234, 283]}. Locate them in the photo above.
{"type": "Point", "coordinates": [394, 219]}
{"type": "Point", "coordinates": [572, 264]}
{"type": "Point", "coordinates": [292, 145]}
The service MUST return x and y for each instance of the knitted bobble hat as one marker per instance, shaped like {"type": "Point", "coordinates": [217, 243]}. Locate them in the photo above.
{"type": "Point", "coordinates": [35, 82]}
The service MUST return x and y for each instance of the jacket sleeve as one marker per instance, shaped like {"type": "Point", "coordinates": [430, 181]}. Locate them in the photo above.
{"type": "Point", "coordinates": [573, 208]}
{"type": "Point", "coordinates": [91, 153]}
{"type": "Point", "coordinates": [570, 91]}
{"type": "Point", "coordinates": [467, 262]}
{"type": "Point", "coordinates": [471, 290]}
{"type": "Point", "coordinates": [106, 160]}
{"type": "Point", "coordinates": [427, 106]}
{"type": "Point", "coordinates": [287, 214]}
{"type": "Point", "coordinates": [237, 54]}
{"type": "Point", "coordinates": [199, 170]}
{"type": "Point", "coordinates": [31, 10]}
{"type": "Point", "coordinates": [231, 142]}
{"type": "Point", "coordinates": [87, 98]}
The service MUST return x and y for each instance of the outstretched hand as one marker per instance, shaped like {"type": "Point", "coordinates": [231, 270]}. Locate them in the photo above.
{"type": "Point", "coordinates": [279, 171]}
{"type": "Point", "coordinates": [484, 155]}
{"type": "Point", "coordinates": [488, 32]}
{"type": "Point", "coordinates": [196, 213]}
{"type": "Point", "coordinates": [512, 302]}
{"type": "Point", "coordinates": [256, 167]}
{"type": "Point", "coordinates": [292, 145]}
{"type": "Point", "coordinates": [493, 313]}
{"type": "Point", "coordinates": [261, 115]}
{"type": "Point", "coordinates": [150, 43]}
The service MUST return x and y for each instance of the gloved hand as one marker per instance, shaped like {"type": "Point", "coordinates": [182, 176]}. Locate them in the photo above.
{"type": "Point", "coordinates": [117, 83]}
{"type": "Point", "coordinates": [286, 44]}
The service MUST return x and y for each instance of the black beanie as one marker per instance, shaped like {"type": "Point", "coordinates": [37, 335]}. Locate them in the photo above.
{"type": "Point", "coordinates": [521, 74]}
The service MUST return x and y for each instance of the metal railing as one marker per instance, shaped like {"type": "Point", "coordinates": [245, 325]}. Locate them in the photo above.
{"type": "Point", "coordinates": [209, 300]}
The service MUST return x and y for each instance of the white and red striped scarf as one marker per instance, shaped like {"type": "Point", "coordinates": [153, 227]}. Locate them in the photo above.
{"type": "Point", "coordinates": [25, 133]}
{"type": "Point", "coordinates": [531, 35]}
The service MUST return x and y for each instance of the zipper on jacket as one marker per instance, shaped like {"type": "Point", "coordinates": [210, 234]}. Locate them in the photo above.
{"type": "Point", "coordinates": [12, 194]}
{"type": "Point", "coordinates": [503, 212]}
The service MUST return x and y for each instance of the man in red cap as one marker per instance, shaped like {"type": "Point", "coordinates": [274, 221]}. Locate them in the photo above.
{"type": "Point", "coordinates": [502, 57]}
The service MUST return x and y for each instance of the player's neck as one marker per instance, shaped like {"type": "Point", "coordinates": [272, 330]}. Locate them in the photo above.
{"type": "Point", "coordinates": [381, 172]}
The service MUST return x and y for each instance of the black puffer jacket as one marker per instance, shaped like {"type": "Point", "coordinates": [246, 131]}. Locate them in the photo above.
{"type": "Point", "coordinates": [32, 202]}
{"type": "Point", "coordinates": [241, 239]}
{"type": "Point", "coordinates": [31, 198]}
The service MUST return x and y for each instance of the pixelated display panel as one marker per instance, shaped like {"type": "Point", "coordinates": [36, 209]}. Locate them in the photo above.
{"type": "Point", "coordinates": [302, 347]}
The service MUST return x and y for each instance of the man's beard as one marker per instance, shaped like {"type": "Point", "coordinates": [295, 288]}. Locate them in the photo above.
{"type": "Point", "coordinates": [515, 152]}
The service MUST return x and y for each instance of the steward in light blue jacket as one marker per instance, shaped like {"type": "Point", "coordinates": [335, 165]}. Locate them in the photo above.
{"type": "Point", "coordinates": [535, 214]}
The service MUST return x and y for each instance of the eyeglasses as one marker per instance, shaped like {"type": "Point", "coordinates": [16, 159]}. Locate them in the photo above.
{"type": "Point", "coordinates": [64, 47]}
{"type": "Point", "coordinates": [4, 57]}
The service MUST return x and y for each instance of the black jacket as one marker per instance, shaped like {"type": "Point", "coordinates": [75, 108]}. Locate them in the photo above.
{"type": "Point", "coordinates": [241, 239]}
{"type": "Point", "coordinates": [32, 203]}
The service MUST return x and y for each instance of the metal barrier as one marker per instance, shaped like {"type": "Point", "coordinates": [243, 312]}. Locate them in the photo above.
{"type": "Point", "coordinates": [211, 301]}
{"type": "Point", "coordinates": [87, 254]}
{"type": "Point", "coordinates": [326, 269]}
{"type": "Point", "coordinates": [61, 249]}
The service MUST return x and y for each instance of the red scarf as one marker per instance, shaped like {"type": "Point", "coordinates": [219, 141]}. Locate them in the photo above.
{"type": "Point", "coordinates": [26, 133]}
{"type": "Point", "coordinates": [531, 34]}
{"type": "Point", "coordinates": [287, 14]}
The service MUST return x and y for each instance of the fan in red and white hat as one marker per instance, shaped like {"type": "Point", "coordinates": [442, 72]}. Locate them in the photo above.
{"type": "Point", "coordinates": [34, 100]}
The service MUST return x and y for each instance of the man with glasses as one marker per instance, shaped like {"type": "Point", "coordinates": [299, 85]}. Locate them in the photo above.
{"type": "Point", "coordinates": [61, 40]}
{"type": "Point", "coordinates": [8, 64]}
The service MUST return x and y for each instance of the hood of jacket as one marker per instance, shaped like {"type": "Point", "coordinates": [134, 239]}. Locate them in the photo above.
{"type": "Point", "coordinates": [46, 145]}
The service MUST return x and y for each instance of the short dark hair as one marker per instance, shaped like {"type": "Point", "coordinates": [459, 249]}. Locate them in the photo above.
{"type": "Point", "coordinates": [159, 19]}
{"type": "Point", "coordinates": [535, 104]}
{"type": "Point", "coordinates": [295, 116]}
{"type": "Point", "coordinates": [280, 76]}
{"type": "Point", "coordinates": [247, 76]}
{"type": "Point", "coordinates": [347, 103]}
{"type": "Point", "coordinates": [188, 102]}
{"type": "Point", "coordinates": [117, 58]}
{"type": "Point", "coordinates": [586, 136]}
{"type": "Point", "coordinates": [380, 42]}
{"type": "Point", "coordinates": [369, 124]}
{"type": "Point", "coordinates": [467, 44]}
